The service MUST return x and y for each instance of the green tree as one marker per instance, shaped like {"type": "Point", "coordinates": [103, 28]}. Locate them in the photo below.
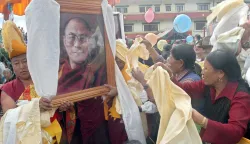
{"type": "Point", "coordinates": [3, 54]}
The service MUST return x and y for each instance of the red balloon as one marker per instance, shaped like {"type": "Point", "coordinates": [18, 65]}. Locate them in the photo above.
{"type": "Point", "coordinates": [149, 15]}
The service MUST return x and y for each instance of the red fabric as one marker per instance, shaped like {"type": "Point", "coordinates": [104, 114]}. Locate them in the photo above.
{"type": "Point", "coordinates": [90, 112]}
{"type": "Point", "coordinates": [113, 2]}
{"type": "Point", "coordinates": [117, 131]}
{"type": "Point", "coordinates": [56, 116]}
{"type": "Point", "coordinates": [239, 114]}
{"type": "Point", "coordinates": [26, 94]}
{"type": "Point", "coordinates": [71, 123]}
{"type": "Point", "coordinates": [14, 89]}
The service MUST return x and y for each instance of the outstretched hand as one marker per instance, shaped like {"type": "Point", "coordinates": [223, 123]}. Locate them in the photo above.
{"type": "Point", "coordinates": [138, 75]}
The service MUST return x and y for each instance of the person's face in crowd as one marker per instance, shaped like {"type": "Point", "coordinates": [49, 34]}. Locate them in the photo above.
{"type": "Point", "coordinates": [176, 66]}
{"type": "Point", "coordinates": [7, 74]}
{"type": "Point", "coordinates": [120, 63]}
{"type": "Point", "coordinates": [198, 50]}
{"type": "Point", "coordinates": [20, 67]}
{"type": "Point", "coordinates": [210, 75]}
{"type": "Point", "coordinates": [196, 39]}
{"type": "Point", "coordinates": [76, 41]}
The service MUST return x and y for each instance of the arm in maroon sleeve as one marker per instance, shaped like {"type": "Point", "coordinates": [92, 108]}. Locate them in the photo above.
{"type": "Point", "coordinates": [235, 129]}
{"type": "Point", "coordinates": [193, 89]}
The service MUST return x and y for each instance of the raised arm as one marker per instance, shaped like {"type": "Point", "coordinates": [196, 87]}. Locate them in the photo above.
{"type": "Point", "coordinates": [153, 53]}
{"type": "Point", "coordinates": [193, 89]}
{"type": "Point", "coordinates": [236, 127]}
{"type": "Point", "coordinates": [7, 102]}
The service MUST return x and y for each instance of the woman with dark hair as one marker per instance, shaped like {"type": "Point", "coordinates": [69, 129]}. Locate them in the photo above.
{"type": "Point", "coordinates": [227, 102]}
{"type": "Point", "coordinates": [181, 61]}
{"type": "Point", "coordinates": [182, 64]}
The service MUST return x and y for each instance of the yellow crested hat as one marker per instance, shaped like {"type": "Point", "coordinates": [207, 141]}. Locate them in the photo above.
{"type": "Point", "coordinates": [13, 40]}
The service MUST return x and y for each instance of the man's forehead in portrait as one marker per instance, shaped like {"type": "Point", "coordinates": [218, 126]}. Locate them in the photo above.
{"type": "Point", "coordinates": [77, 26]}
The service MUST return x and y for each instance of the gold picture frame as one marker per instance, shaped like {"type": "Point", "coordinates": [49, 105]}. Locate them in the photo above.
{"type": "Point", "coordinates": [87, 7]}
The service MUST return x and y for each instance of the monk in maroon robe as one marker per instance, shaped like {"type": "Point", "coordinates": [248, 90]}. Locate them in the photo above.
{"type": "Point", "coordinates": [11, 91]}
{"type": "Point", "coordinates": [81, 71]}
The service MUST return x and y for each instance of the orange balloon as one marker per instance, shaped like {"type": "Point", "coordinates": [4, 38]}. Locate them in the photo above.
{"type": "Point", "coordinates": [152, 38]}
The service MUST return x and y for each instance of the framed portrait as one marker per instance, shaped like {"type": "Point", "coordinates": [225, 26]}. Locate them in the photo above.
{"type": "Point", "coordinates": [86, 59]}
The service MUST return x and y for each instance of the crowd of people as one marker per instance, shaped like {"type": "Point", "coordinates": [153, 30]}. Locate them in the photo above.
{"type": "Point", "coordinates": [207, 86]}
{"type": "Point", "coordinates": [212, 79]}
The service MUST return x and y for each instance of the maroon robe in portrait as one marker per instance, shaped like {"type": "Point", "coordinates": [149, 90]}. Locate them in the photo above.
{"type": "Point", "coordinates": [90, 112]}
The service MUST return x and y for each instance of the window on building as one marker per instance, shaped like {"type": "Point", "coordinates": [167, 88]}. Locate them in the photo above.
{"type": "Point", "coordinates": [151, 27]}
{"type": "Point", "coordinates": [122, 9]}
{"type": "Point", "coordinates": [143, 9]}
{"type": "Point", "coordinates": [200, 25]}
{"type": "Point", "coordinates": [179, 7]}
{"type": "Point", "coordinates": [157, 8]}
{"type": "Point", "coordinates": [128, 27]}
{"type": "Point", "coordinates": [203, 7]}
{"type": "Point", "coordinates": [247, 1]}
{"type": "Point", "coordinates": [168, 7]}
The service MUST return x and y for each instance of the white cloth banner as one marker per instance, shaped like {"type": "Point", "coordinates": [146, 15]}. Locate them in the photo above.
{"type": "Point", "coordinates": [130, 111]}
{"type": "Point", "coordinates": [43, 27]}
{"type": "Point", "coordinates": [228, 22]}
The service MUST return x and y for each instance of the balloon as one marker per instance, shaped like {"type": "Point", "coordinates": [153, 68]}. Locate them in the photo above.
{"type": "Point", "coordinates": [152, 38]}
{"type": "Point", "coordinates": [189, 39]}
{"type": "Point", "coordinates": [161, 44]}
{"type": "Point", "coordinates": [182, 23]}
{"type": "Point", "coordinates": [149, 15]}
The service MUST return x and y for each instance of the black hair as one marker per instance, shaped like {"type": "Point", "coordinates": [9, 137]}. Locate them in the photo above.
{"type": "Point", "coordinates": [225, 61]}
{"type": "Point", "coordinates": [167, 47]}
{"type": "Point", "coordinates": [185, 53]}
{"type": "Point", "coordinates": [197, 69]}
{"type": "Point", "coordinates": [78, 19]}
{"type": "Point", "coordinates": [158, 51]}
{"type": "Point", "coordinates": [198, 37]}
{"type": "Point", "coordinates": [148, 62]}
{"type": "Point", "coordinates": [166, 51]}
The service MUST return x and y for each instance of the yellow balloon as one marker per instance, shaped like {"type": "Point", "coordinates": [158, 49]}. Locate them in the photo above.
{"type": "Point", "coordinates": [161, 44]}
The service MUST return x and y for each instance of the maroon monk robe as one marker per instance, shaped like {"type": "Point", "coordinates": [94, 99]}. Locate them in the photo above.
{"type": "Point", "coordinates": [117, 131]}
{"type": "Point", "coordinates": [14, 89]}
{"type": "Point", "coordinates": [90, 112]}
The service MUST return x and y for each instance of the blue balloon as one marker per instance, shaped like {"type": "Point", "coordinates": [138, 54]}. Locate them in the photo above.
{"type": "Point", "coordinates": [182, 23]}
{"type": "Point", "coordinates": [189, 39]}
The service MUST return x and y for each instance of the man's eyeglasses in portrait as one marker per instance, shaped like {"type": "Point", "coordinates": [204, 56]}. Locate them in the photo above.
{"type": "Point", "coordinates": [72, 38]}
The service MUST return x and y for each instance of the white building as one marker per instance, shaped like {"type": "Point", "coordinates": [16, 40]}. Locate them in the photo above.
{"type": "Point", "coordinates": [165, 12]}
